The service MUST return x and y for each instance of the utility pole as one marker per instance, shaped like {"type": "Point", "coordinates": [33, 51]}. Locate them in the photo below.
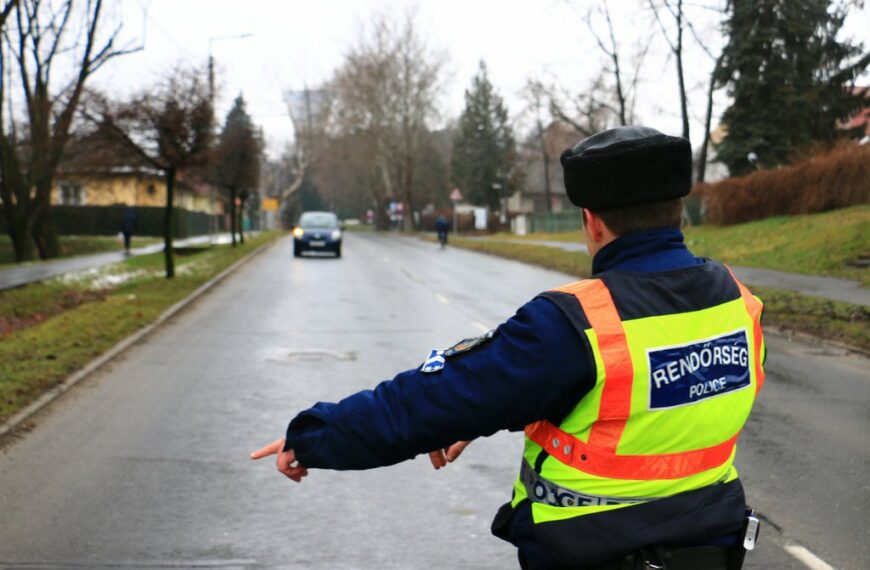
{"type": "Point", "coordinates": [211, 96]}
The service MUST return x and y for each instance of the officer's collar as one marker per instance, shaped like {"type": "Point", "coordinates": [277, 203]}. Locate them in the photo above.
{"type": "Point", "coordinates": [624, 252]}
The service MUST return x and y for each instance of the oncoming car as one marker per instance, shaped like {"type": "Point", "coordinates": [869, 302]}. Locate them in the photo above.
{"type": "Point", "coordinates": [317, 231]}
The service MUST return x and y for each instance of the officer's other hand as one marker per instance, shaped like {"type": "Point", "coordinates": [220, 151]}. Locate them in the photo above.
{"type": "Point", "coordinates": [442, 457]}
{"type": "Point", "coordinates": [284, 461]}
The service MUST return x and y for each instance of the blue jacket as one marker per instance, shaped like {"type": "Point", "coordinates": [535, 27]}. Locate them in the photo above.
{"type": "Point", "coordinates": [494, 386]}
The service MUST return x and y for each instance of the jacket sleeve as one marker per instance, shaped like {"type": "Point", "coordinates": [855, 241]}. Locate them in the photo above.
{"type": "Point", "coordinates": [535, 367]}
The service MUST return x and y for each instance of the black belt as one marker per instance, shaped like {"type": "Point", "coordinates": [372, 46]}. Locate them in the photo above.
{"type": "Point", "coordinates": [676, 558]}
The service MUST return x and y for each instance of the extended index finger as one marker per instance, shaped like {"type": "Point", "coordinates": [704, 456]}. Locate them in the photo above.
{"type": "Point", "coordinates": [270, 449]}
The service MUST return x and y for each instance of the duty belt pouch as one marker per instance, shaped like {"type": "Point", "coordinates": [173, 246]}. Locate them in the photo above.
{"type": "Point", "coordinates": [746, 542]}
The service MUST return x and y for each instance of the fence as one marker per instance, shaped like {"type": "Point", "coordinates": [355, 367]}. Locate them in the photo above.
{"type": "Point", "coordinates": [561, 222]}
{"type": "Point", "coordinates": [106, 220]}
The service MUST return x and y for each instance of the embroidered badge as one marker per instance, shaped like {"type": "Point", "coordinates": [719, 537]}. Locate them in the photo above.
{"type": "Point", "coordinates": [434, 362]}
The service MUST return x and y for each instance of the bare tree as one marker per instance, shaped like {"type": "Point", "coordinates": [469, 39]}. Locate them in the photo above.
{"type": "Point", "coordinates": [310, 112]}
{"type": "Point", "coordinates": [5, 11]}
{"type": "Point", "coordinates": [609, 97]}
{"type": "Point", "coordinates": [168, 128]}
{"type": "Point", "coordinates": [675, 9]}
{"type": "Point", "coordinates": [610, 48]}
{"type": "Point", "coordinates": [711, 87]}
{"type": "Point", "coordinates": [536, 94]}
{"type": "Point", "coordinates": [590, 111]}
{"type": "Point", "coordinates": [44, 33]}
{"type": "Point", "coordinates": [387, 89]}
{"type": "Point", "coordinates": [682, 23]}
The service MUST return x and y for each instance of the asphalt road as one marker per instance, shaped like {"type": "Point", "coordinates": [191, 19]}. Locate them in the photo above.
{"type": "Point", "coordinates": [145, 464]}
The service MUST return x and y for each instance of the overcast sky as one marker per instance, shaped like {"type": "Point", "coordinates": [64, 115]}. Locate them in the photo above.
{"type": "Point", "coordinates": [299, 42]}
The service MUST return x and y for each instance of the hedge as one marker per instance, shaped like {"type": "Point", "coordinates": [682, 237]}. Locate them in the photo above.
{"type": "Point", "coordinates": [838, 178]}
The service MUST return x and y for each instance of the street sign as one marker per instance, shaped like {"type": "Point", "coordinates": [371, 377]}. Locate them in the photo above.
{"type": "Point", "coordinates": [455, 195]}
{"type": "Point", "coordinates": [269, 204]}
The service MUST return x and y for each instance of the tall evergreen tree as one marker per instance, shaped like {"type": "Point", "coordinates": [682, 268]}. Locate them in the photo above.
{"type": "Point", "coordinates": [790, 78]}
{"type": "Point", "coordinates": [484, 148]}
{"type": "Point", "coordinates": [237, 161]}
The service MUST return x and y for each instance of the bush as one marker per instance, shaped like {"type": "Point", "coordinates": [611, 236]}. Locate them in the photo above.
{"type": "Point", "coordinates": [834, 179]}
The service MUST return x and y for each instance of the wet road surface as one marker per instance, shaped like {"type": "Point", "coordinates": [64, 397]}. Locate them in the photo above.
{"type": "Point", "coordinates": [145, 464]}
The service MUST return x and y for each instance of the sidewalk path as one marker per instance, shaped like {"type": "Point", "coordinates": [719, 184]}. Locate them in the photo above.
{"type": "Point", "coordinates": [40, 270]}
{"type": "Point", "coordinates": [831, 288]}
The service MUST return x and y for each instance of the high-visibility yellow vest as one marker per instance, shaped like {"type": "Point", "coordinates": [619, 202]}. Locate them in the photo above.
{"type": "Point", "coordinates": [672, 392]}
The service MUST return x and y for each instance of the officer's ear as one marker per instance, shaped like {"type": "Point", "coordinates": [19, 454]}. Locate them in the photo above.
{"type": "Point", "coordinates": [592, 225]}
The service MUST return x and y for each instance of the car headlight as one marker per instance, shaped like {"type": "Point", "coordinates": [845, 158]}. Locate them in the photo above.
{"type": "Point", "coordinates": [298, 232]}
{"type": "Point", "coordinates": [336, 234]}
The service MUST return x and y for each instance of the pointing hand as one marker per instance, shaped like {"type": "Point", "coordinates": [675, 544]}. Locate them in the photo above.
{"type": "Point", "coordinates": [285, 460]}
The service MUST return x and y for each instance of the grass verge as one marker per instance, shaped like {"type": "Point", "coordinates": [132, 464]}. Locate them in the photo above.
{"type": "Point", "coordinates": [842, 322]}
{"type": "Point", "coordinates": [52, 328]}
{"type": "Point", "coordinates": [71, 246]}
{"type": "Point", "coordinates": [814, 244]}
{"type": "Point", "coordinates": [832, 320]}
{"type": "Point", "coordinates": [574, 263]}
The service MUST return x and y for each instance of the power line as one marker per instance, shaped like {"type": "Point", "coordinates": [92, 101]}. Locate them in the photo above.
{"type": "Point", "coordinates": [186, 55]}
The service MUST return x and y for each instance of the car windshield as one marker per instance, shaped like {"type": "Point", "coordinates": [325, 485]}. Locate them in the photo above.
{"type": "Point", "coordinates": [318, 220]}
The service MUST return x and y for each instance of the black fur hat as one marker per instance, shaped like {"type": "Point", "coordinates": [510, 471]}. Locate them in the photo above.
{"type": "Point", "coordinates": [627, 166]}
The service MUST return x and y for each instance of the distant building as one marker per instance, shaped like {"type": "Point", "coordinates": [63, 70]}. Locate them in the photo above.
{"type": "Point", "coordinates": [96, 174]}
{"type": "Point", "coordinates": [860, 123]}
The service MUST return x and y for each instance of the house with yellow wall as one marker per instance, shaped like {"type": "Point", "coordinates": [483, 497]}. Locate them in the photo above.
{"type": "Point", "coordinates": [96, 172]}
{"type": "Point", "coordinates": [131, 187]}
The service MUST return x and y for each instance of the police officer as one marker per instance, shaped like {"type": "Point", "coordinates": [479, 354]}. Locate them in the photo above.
{"type": "Point", "coordinates": [631, 386]}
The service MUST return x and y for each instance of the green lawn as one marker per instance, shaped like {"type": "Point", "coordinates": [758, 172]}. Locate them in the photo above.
{"type": "Point", "coordinates": [815, 244]}
{"type": "Point", "coordinates": [52, 328]}
{"type": "Point", "coordinates": [573, 263]}
{"type": "Point", "coordinates": [789, 246]}
{"type": "Point", "coordinates": [77, 245]}
{"type": "Point", "coordinates": [841, 322]}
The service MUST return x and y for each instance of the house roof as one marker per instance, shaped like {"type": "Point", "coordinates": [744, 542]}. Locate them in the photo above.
{"type": "Point", "coordinates": [93, 154]}
{"type": "Point", "coordinates": [861, 120]}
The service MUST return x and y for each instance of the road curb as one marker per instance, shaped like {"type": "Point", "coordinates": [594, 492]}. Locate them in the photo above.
{"type": "Point", "coordinates": [55, 392]}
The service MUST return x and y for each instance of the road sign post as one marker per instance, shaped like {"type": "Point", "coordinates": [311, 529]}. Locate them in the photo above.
{"type": "Point", "coordinates": [455, 197]}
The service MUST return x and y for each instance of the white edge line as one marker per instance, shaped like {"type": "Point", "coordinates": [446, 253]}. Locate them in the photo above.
{"type": "Point", "coordinates": [480, 326]}
{"type": "Point", "coordinates": [442, 298]}
{"type": "Point", "coordinates": [808, 558]}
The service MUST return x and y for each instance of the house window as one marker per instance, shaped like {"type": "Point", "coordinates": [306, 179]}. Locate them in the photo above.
{"type": "Point", "coordinates": [151, 190]}
{"type": "Point", "coordinates": [71, 194]}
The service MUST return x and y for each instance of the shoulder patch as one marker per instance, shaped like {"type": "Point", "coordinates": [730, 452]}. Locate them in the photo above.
{"type": "Point", "coordinates": [467, 344]}
{"type": "Point", "coordinates": [434, 362]}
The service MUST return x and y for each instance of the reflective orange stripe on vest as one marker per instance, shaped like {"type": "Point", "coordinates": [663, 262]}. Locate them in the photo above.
{"type": "Point", "coordinates": [754, 307]}
{"type": "Point", "coordinates": [598, 456]}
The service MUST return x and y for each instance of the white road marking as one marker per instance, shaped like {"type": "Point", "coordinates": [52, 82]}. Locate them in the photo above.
{"type": "Point", "coordinates": [442, 298]}
{"type": "Point", "coordinates": [411, 276]}
{"type": "Point", "coordinates": [808, 558]}
{"type": "Point", "coordinates": [482, 327]}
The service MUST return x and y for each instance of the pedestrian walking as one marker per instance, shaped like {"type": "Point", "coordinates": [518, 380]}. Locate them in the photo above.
{"type": "Point", "coordinates": [128, 227]}
{"type": "Point", "coordinates": [631, 387]}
